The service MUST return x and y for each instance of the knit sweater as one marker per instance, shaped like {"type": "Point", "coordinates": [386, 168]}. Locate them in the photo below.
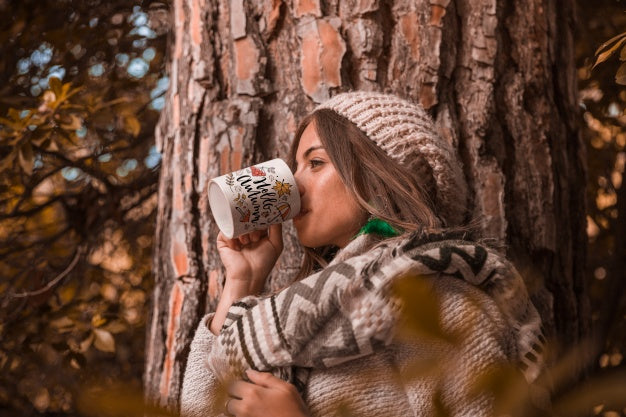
{"type": "Point", "coordinates": [401, 378]}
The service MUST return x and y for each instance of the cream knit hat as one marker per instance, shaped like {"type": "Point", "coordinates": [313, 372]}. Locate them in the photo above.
{"type": "Point", "coordinates": [407, 134]}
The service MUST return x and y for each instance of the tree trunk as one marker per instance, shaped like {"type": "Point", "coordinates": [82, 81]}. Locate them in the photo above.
{"type": "Point", "coordinates": [498, 77]}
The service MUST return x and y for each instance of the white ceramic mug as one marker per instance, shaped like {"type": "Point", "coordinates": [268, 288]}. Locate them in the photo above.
{"type": "Point", "coordinates": [254, 197]}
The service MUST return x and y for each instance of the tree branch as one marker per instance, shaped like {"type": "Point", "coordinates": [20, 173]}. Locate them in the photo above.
{"type": "Point", "coordinates": [56, 280]}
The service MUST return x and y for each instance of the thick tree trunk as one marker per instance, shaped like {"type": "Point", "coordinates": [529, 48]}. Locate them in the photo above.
{"type": "Point", "coordinates": [497, 75]}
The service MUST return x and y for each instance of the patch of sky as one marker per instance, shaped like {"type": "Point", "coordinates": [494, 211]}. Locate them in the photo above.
{"type": "Point", "coordinates": [158, 101]}
{"type": "Point", "coordinates": [138, 67]}
{"type": "Point", "coordinates": [56, 71]}
{"type": "Point", "coordinates": [144, 31]}
{"type": "Point", "coordinates": [613, 110]}
{"type": "Point", "coordinates": [23, 65]}
{"type": "Point", "coordinates": [130, 164]}
{"type": "Point", "coordinates": [124, 169]}
{"type": "Point", "coordinates": [105, 157]}
{"type": "Point", "coordinates": [149, 54]}
{"type": "Point", "coordinates": [35, 90]}
{"type": "Point", "coordinates": [71, 173]}
{"type": "Point", "coordinates": [38, 163]}
{"type": "Point", "coordinates": [122, 59]}
{"type": "Point", "coordinates": [153, 158]}
{"type": "Point", "coordinates": [24, 113]}
{"type": "Point", "coordinates": [93, 22]}
{"type": "Point", "coordinates": [161, 87]}
{"type": "Point", "coordinates": [42, 55]}
{"type": "Point", "coordinates": [138, 18]}
{"type": "Point", "coordinates": [81, 132]}
{"type": "Point", "coordinates": [157, 104]}
{"type": "Point", "coordinates": [140, 43]}
{"type": "Point", "coordinates": [96, 70]}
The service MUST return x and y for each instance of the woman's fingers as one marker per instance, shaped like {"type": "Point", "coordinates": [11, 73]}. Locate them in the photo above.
{"type": "Point", "coordinates": [264, 379]}
{"type": "Point", "coordinates": [230, 243]}
{"type": "Point", "coordinates": [265, 395]}
{"type": "Point", "coordinates": [257, 235]}
{"type": "Point", "coordinates": [231, 406]}
{"type": "Point", "coordinates": [244, 239]}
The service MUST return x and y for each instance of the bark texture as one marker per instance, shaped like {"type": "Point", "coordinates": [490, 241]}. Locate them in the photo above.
{"type": "Point", "coordinates": [497, 76]}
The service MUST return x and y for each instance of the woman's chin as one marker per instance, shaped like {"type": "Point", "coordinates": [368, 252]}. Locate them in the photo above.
{"type": "Point", "coordinates": [306, 238]}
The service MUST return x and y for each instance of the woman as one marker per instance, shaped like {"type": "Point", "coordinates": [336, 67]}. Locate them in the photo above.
{"type": "Point", "coordinates": [382, 195]}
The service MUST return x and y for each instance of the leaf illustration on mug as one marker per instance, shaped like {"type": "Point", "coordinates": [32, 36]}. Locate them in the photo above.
{"type": "Point", "coordinates": [230, 180]}
{"type": "Point", "coordinates": [245, 215]}
{"type": "Point", "coordinates": [282, 188]}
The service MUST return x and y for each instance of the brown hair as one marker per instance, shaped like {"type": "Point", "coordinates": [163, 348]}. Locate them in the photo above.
{"type": "Point", "coordinates": [380, 185]}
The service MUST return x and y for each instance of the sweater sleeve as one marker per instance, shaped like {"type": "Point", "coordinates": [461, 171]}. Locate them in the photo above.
{"type": "Point", "coordinates": [483, 342]}
{"type": "Point", "coordinates": [200, 396]}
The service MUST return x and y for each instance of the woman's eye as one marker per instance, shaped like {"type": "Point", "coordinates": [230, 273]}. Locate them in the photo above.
{"type": "Point", "coordinates": [315, 163]}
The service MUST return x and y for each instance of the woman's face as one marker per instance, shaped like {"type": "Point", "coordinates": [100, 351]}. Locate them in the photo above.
{"type": "Point", "coordinates": [329, 214]}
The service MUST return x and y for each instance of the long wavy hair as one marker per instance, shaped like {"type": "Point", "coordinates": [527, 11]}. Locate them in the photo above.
{"type": "Point", "coordinates": [381, 186]}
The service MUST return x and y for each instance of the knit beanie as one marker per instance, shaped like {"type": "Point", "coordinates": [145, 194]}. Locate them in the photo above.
{"type": "Point", "coordinates": [407, 134]}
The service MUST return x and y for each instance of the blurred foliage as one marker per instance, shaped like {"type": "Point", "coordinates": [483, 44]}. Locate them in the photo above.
{"type": "Point", "coordinates": [81, 86]}
{"type": "Point", "coordinates": [600, 59]}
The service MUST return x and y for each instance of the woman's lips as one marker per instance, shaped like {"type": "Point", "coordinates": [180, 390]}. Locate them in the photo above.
{"type": "Point", "coordinates": [302, 213]}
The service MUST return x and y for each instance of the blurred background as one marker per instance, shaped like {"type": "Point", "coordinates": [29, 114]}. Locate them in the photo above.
{"type": "Point", "coordinates": [81, 87]}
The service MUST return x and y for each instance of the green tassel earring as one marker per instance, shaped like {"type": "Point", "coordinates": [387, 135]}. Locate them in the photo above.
{"type": "Point", "coordinates": [378, 227]}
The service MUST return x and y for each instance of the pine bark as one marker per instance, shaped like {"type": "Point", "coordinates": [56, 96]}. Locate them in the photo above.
{"type": "Point", "coordinates": [497, 76]}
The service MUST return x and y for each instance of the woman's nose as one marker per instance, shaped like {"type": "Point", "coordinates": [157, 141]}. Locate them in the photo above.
{"type": "Point", "coordinates": [299, 183]}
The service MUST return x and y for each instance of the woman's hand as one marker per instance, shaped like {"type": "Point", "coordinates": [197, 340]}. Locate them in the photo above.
{"type": "Point", "coordinates": [248, 261]}
{"type": "Point", "coordinates": [249, 258]}
{"type": "Point", "coordinates": [265, 396]}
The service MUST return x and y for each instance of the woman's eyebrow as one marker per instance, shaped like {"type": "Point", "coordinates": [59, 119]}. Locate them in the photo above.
{"type": "Point", "coordinates": [307, 152]}
{"type": "Point", "coordinates": [311, 149]}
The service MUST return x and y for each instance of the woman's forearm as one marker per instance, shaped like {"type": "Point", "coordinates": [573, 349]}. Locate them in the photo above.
{"type": "Point", "coordinates": [233, 290]}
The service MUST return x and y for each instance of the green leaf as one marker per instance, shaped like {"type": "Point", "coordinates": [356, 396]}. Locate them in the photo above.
{"type": "Point", "coordinates": [104, 340]}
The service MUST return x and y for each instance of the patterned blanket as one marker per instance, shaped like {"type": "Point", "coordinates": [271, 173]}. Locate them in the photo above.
{"type": "Point", "coordinates": [348, 310]}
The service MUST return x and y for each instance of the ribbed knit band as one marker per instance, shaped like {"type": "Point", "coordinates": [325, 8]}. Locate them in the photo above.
{"type": "Point", "coordinates": [407, 134]}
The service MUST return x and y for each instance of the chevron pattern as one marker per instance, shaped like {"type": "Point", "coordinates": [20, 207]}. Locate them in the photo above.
{"type": "Point", "coordinates": [346, 311]}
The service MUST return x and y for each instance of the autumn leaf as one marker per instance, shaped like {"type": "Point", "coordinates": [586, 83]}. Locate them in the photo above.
{"type": "Point", "coordinates": [26, 158]}
{"type": "Point", "coordinates": [104, 340]}
{"type": "Point", "coordinates": [601, 57]}
{"type": "Point", "coordinates": [132, 125]}
{"type": "Point", "coordinates": [63, 324]}
{"type": "Point", "coordinates": [283, 188]}
{"type": "Point", "coordinates": [620, 77]}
